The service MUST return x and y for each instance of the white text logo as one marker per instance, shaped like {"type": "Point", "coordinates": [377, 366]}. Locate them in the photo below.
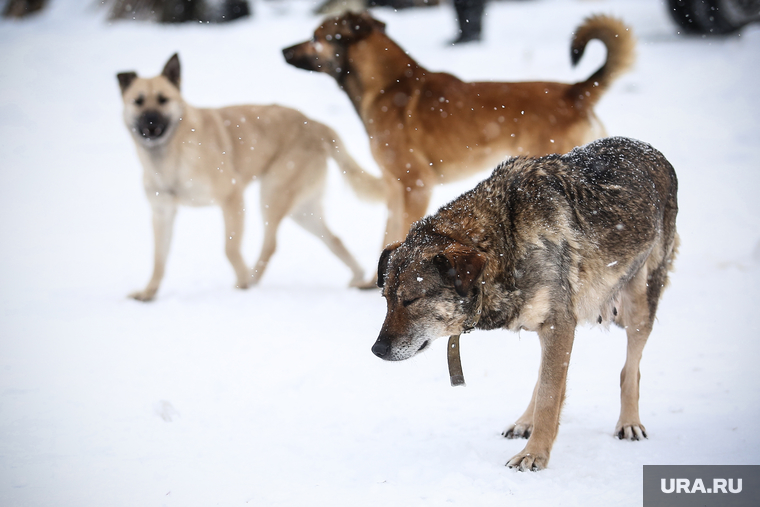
{"type": "Point", "coordinates": [685, 486]}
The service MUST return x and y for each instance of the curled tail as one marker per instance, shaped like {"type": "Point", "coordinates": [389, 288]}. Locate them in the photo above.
{"type": "Point", "coordinates": [366, 186]}
{"type": "Point", "coordinates": [620, 44]}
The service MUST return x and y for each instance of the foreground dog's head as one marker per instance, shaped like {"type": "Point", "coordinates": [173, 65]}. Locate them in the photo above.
{"type": "Point", "coordinates": [432, 286]}
{"type": "Point", "coordinates": [152, 106]}
{"type": "Point", "coordinates": [327, 50]}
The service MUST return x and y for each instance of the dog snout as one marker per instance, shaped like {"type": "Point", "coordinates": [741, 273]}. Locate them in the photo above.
{"type": "Point", "coordinates": [298, 57]}
{"type": "Point", "coordinates": [289, 53]}
{"type": "Point", "coordinates": [382, 347]}
{"type": "Point", "coordinates": [152, 124]}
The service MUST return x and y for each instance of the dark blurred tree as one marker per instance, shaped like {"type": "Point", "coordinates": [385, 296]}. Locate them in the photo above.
{"type": "Point", "coordinates": [179, 11]}
{"type": "Point", "coordinates": [21, 8]}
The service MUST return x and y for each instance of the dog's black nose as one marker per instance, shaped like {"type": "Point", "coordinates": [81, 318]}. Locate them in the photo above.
{"type": "Point", "coordinates": [151, 117]}
{"type": "Point", "coordinates": [295, 56]}
{"type": "Point", "coordinates": [152, 124]}
{"type": "Point", "coordinates": [289, 53]}
{"type": "Point", "coordinates": [381, 347]}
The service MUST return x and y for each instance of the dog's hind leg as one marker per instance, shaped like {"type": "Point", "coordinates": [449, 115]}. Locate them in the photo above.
{"type": "Point", "coordinates": [310, 215]}
{"type": "Point", "coordinates": [233, 210]}
{"type": "Point", "coordinates": [638, 304]}
{"type": "Point", "coordinates": [164, 212]}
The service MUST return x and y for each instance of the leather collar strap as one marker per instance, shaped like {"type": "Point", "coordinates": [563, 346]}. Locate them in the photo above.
{"type": "Point", "coordinates": [452, 354]}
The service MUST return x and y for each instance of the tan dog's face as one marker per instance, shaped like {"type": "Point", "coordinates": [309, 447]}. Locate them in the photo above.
{"type": "Point", "coordinates": [327, 50]}
{"type": "Point", "coordinates": [430, 290]}
{"type": "Point", "coordinates": [153, 106]}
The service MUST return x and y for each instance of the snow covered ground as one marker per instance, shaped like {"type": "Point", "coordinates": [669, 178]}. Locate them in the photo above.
{"type": "Point", "coordinates": [271, 396]}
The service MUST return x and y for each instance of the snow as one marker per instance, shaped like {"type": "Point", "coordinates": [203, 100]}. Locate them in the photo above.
{"type": "Point", "coordinates": [271, 396]}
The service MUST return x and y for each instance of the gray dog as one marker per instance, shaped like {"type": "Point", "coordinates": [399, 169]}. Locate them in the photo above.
{"type": "Point", "coordinates": [543, 244]}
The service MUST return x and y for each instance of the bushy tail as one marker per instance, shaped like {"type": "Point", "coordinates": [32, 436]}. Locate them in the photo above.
{"type": "Point", "coordinates": [366, 186]}
{"type": "Point", "coordinates": [620, 43]}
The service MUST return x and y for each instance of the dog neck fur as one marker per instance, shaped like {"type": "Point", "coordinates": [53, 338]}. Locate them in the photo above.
{"type": "Point", "coordinates": [372, 73]}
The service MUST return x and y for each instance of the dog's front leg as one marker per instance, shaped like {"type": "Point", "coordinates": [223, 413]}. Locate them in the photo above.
{"type": "Point", "coordinates": [164, 212]}
{"type": "Point", "coordinates": [408, 200]}
{"type": "Point", "coordinates": [556, 346]}
{"type": "Point", "coordinates": [233, 210]}
{"type": "Point", "coordinates": [394, 230]}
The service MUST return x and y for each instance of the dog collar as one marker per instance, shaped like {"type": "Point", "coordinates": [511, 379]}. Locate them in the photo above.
{"type": "Point", "coordinates": [470, 323]}
{"type": "Point", "coordinates": [452, 354]}
{"type": "Point", "coordinates": [455, 362]}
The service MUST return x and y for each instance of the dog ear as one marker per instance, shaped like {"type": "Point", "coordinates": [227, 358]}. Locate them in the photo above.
{"type": "Point", "coordinates": [460, 265]}
{"type": "Point", "coordinates": [359, 26]}
{"type": "Point", "coordinates": [172, 70]}
{"type": "Point", "coordinates": [382, 264]}
{"type": "Point", "coordinates": [372, 22]}
{"type": "Point", "coordinates": [125, 79]}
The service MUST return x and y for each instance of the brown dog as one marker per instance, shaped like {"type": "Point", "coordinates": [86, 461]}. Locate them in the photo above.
{"type": "Point", "coordinates": [542, 245]}
{"type": "Point", "coordinates": [427, 128]}
{"type": "Point", "coordinates": [199, 157]}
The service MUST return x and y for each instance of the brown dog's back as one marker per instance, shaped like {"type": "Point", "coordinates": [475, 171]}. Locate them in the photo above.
{"type": "Point", "coordinates": [428, 128]}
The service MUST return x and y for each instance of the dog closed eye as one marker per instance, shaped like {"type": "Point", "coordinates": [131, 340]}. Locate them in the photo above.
{"type": "Point", "coordinates": [408, 302]}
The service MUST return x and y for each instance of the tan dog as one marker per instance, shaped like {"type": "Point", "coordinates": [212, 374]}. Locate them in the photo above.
{"type": "Point", "coordinates": [543, 245]}
{"type": "Point", "coordinates": [427, 128]}
{"type": "Point", "coordinates": [199, 157]}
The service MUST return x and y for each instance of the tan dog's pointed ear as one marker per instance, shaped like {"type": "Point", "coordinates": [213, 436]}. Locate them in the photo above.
{"type": "Point", "coordinates": [382, 264]}
{"type": "Point", "coordinates": [172, 70]}
{"type": "Point", "coordinates": [461, 265]}
{"type": "Point", "coordinates": [125, 79]}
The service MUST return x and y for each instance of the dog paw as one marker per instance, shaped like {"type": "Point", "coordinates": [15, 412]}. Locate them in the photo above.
{"type": "Point", "coordinates": [518, 430]}
{"type": "Point", "coordinates": [143, 295]}
{"type": "Point", "coordinates": [242, 284]}
{"type": "Point", "coordinates": [255, 277]}
{"type": "Point", "coordinates": [528, 461]}
{"type": "Point", "coordinates": [635, 431]}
